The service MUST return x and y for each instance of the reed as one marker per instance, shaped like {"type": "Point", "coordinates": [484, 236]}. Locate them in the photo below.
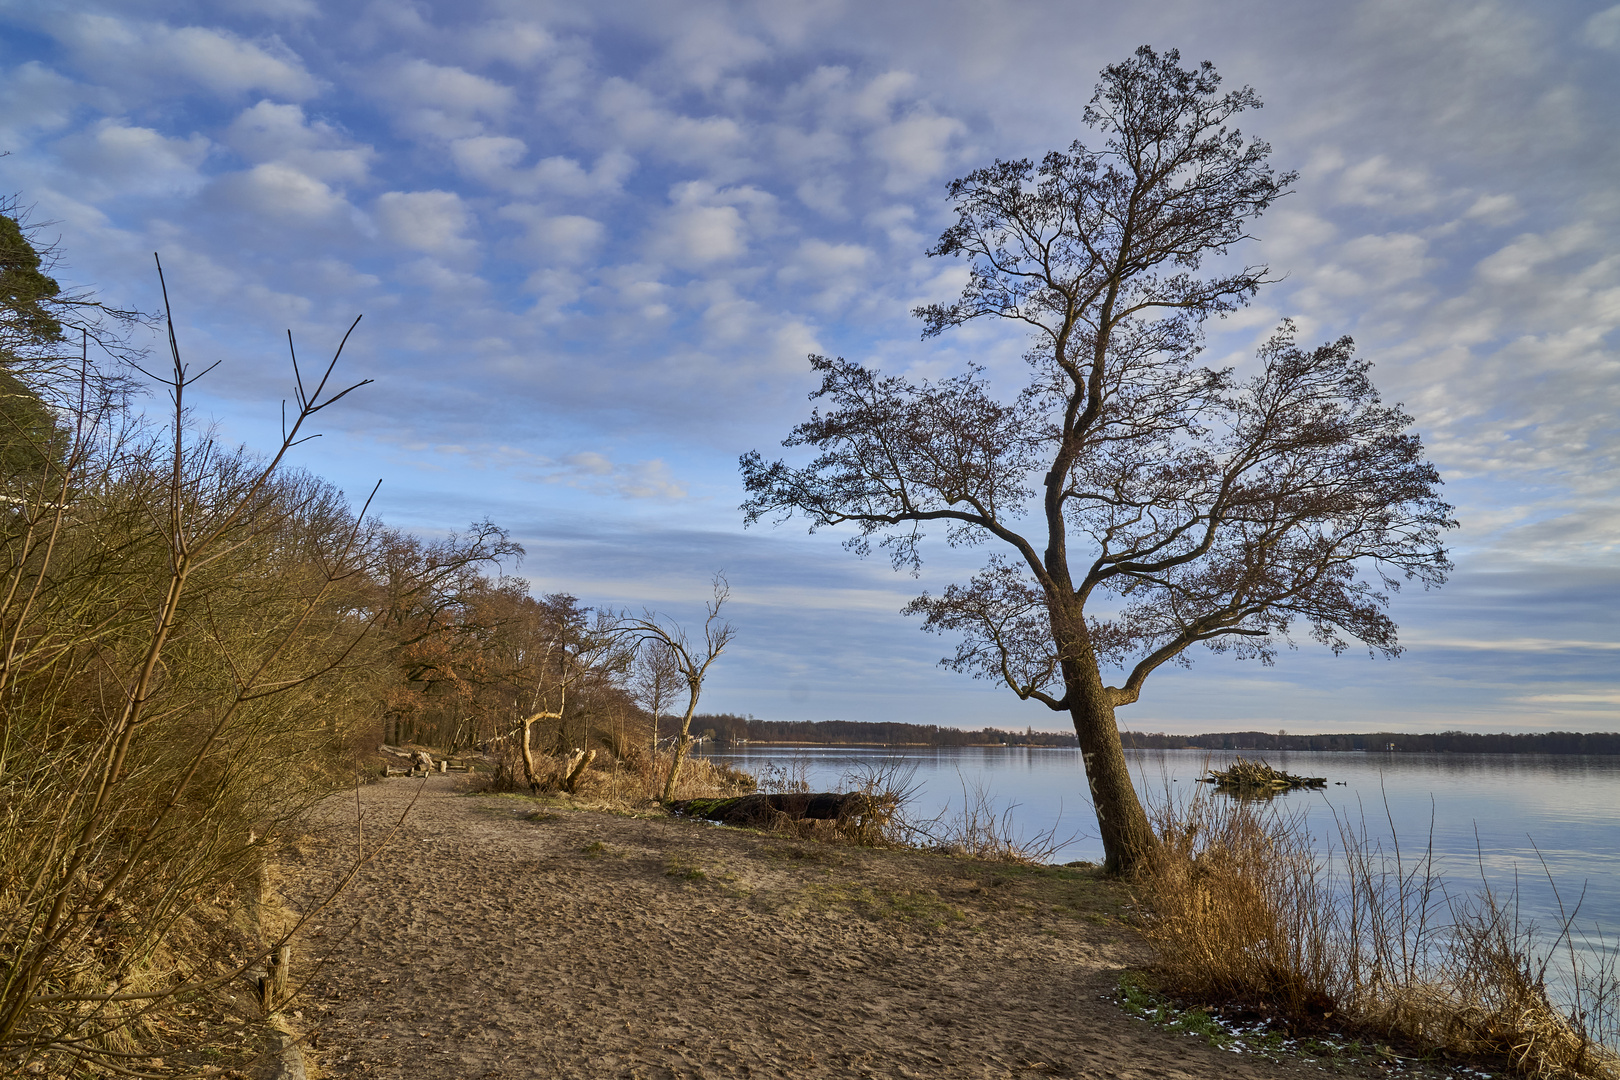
{"type": "Point", "coordinates": [1243, 911]}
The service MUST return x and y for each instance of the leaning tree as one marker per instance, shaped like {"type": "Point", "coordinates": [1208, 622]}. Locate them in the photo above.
{"type": "Point", "coordinates": [1141, 503]}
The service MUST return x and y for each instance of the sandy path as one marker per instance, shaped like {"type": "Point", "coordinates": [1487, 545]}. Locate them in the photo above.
{"type": "Point", "coordinates": [483, 944]}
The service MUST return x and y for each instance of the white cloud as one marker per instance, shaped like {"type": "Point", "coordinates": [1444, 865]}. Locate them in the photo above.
{"type": "Point", "coordinates": [564, 176]}
{"type": "Point", "coordinates": [640, 294]}
{"type": "Point", "coordinates": [1378, 183]}
{"type": "Point", "coordinates": [635, 114]}
{"type": "Point", "coordinates": [439, 101]}
{"type": "Point", "coordinates": [1603, 29]}
{"type": "Point", "coordinates": [915, 149]}
{"type": "Point", "coordinates": [650, 480]}
{"type": "Point", "coordinates": [707, 49]}
{"type": "Point", "coordinates": [275, 190]}
{"type": "Point", "coordinates": [1525, 255]}
{"type": "Point", "coordinates": [590, 471]}
{"type": "Point", "coordinates": [1387, 260]}
{"type": "Point", "coordinates": [827, 275]}
{"type": "Point", "coordinates": [34, 97]}
{"type": "Point", "coordinates": [136, 160]}
{"type": "Point", "coordinates": [426, 221]}
{"type": "Point", "coordinates": [896, 222]}
{"type": "Point", "coordinates": [565, 239]}
{"type": "Point", "coordinates": [268, 132]}
{"type": "Point", "coordinates": [288, 10]}
{"type": "Point", "coordinates": [496, 160]}
{"type": "Point", "coordinates": [825, 195]}
{"type": "Point", "coordinates": [876, 100]}
{"type": "Point", "coordinates": [696, 236]}
{"type": "Point", "coordinates": [520, 43]}
{"type": "Point", "coordinates": [490, 158]}
{"type": "Point", "coordinates": [218, 60]}
{"type": "Point", "coordinates": [706, 225]}
{"type": "Point", "coordinates": [1495, 210]}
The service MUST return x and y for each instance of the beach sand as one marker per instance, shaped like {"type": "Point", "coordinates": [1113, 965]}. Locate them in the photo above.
{"type": "Point", "coordinates": [501, 938]}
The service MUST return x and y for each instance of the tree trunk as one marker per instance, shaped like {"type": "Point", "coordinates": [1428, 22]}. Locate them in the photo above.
{"type": "Point", "coordinates": [1127, 838]}
{"type": "Point", "coordinates": [680, 749]}
{"type": "Point", "coordinates": [528, 755]}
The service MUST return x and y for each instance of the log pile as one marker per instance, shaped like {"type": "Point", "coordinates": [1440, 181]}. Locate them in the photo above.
{"type": "Point", "coordinates": [1245, 777]}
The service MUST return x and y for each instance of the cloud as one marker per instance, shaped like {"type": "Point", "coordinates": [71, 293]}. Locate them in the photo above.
{"type": "Point", "coordinates": [696, 236]}
{"type": "Point", "coordinates": [1603, 29]}
{"type": "Point", "coordinates": [877, 99]}
{"type": "Point", "coordinates": [915, 149]}
{"type": "Point", "coordinates": [1495, 210]}
{"type": "Point", "coordinates": [439, 101]}
{"type": "Point", "coordinates": [638, 119]}
{"type": "Point", "coordinates": [268, 132]}
{"type": "Point", "coordinates": [566, 239]}
{"type": "Point", "coordinates": [218, 60]}
{"type": "Point", "coordinates": [1374, 263]}
{"type": "Point", "coordinates": [287, 10]}
{"type": "Point", "coordinates": [1522, 260]}
{"type": "Point", "coordinates": [708, 49]}
{"type": "Point", "coordinates": [142, 160]}
{"type": "Point", "coordinates": [1380, 184]}
{"type": "Point", "coordinates": [827, 275]}
{"type": "Point", "coordinates": [590, 471]}
{"type": "Point", "coordinates": [428, 221]}
{"type": "Point", "coordinates": [277, 191]}
{"type": "Point", "coordinates": [706, 225]}
{"type": "Point", "coordinates": [496, 160]}
{"type": "Point", "coordinates": [510, 40]}
{"type": "Point", "coordinates": [33, 98]}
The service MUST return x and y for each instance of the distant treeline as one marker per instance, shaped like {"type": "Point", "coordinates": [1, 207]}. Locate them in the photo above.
{"type": "Point", "coordinates": [1454, 742]}
{"type": "Point", "coordinates": [725, 728]}
{"type": "Point", "coordinates": [728, 729]}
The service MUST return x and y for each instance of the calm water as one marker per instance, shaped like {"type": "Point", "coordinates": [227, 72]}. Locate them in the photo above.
{"type": "Point", "coordinates": [1502, 818]}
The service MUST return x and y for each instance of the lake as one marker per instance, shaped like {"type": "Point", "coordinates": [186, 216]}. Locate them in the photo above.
{"type": "Point", "coordinates": [1538, 821]}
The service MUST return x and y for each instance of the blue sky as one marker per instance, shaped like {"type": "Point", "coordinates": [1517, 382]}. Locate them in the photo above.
{"type": "Point", "coordinates": [593, 243]}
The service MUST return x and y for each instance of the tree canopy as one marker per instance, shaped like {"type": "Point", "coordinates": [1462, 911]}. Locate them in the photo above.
{"type": "Point", "coordinates": [1140, 501]}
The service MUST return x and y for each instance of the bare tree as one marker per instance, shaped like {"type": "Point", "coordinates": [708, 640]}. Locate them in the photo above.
{"type": "Point", "coordinates": [691, 662]}
{"type": "Point", "coordinates": [1143, 503]}
{"type": "Point", "coordinates": [570, 655]}
{"type": "Point", "coordinates": [653, 680]}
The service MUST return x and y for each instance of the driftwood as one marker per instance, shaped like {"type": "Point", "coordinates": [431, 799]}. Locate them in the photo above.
{"type": "Point", "coordinates": [1244, 777]}
{"type": "Point", "coordinates": [764, 809]}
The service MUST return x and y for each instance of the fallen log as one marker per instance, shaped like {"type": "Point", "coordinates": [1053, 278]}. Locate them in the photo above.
{"type": "Point", "coordinates": [764, 809]}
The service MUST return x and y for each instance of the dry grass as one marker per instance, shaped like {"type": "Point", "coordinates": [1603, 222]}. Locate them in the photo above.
{"type": "Point", "coordinates": [979, 830]}
{"type": "Point", "coordinates": [636, 778]}
{"type": "Point", "coordinates": [1241, 909]}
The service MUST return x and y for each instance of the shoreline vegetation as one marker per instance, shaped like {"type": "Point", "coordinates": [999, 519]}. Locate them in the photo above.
{"type": "Point", "coordinates": [728, 730]}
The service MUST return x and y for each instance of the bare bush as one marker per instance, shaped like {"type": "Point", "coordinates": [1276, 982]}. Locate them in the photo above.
{"type": "Point", "coordinates": [171, 619]}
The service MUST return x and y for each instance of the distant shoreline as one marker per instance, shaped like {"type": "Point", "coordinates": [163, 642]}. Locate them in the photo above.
{"type": "Point", "coordinates": [727, 730]}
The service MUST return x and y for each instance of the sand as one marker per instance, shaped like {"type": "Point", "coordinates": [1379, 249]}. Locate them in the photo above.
{"type": "Point", "coordinates": [498, 938]}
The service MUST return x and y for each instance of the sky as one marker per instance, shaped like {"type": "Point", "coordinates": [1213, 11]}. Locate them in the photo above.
{"type": "Point", "coordinates": [593, 244]}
